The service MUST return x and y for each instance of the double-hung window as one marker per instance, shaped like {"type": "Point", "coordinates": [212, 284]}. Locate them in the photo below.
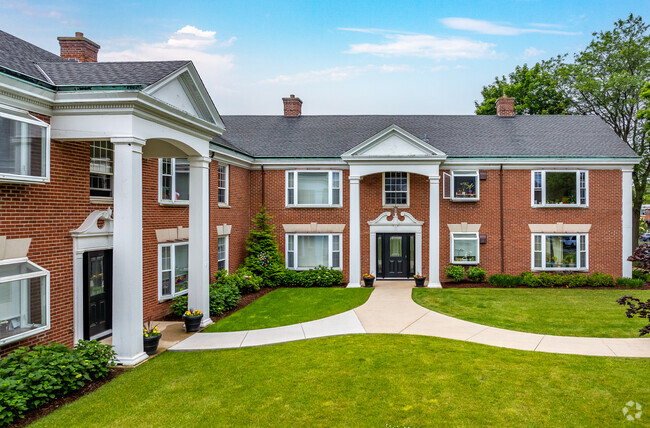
{"type": "Point", "coordinates": [560, 188]}
{"type": "Point", "coordinates": [174, 181]}
{"type": "Point", "coordinates": [24, 147]}
{"type": "Point", "coordinates": [222, 253]}
{"type": "Point", "coordinates": [307, 251]}
{"type": "Point", "coordinates": [465, 248]}
{"type": "Point", "coordinates": [560, 251]}
{"type": "Point", "coordinates": [313, 188]}
{"type": "Point", "coordinates": [101, 169]}
{"type": "Point", "coordinates": [396, 189]}
{"type": "Point", "coordinates": [172, 269]}
{"type": "Point", "coordinates": [461, 186]}
{"type": "Point", "coordinates": [24, 299]}
{"type": "Point", "coordinates": [222, 184]}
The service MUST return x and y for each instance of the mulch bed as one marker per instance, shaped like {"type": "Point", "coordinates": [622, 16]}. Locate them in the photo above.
{"type": "Point", "coordinates": [34, 415]}
{"type": "Point", "coordinates": [466, 284]}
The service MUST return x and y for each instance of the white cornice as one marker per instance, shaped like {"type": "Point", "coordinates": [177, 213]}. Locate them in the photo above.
{"type": "Point", "coordinates": [23, 95]}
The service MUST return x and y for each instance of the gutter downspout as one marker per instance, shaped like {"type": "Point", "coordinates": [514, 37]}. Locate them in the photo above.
{"type": "Point", "coordinates": [263, 187]}
{"type": "Point", "coordinates": [501, 216]}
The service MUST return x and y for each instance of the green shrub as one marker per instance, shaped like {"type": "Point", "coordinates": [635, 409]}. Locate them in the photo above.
{"type": "Point", "coordinates": [320, 276]}
{"type": "Point", "coordinates": [223, 297]}
{"type": "Point", "coordinates": [598, 279]}
{"type": "Point", "coordinates": [291, 278]}
{"type": "Point", "coordinates": [456, 272]}
{"type": "Point", "coordinates": [546, 279]}
{"type": "Point", "coordinates": [503, 280]}
{"type": "Point", "coordinates": [576, 280]}
{"type": "Point", "coordinates": [250, 283]}
{"type": "Point", "coordinates": [264, 258]}
{"type": "Point", "coordinates": [179, 306]}
{"type": "Point", "coordinates": [630, 282]}
{"type": "Point", "coordinates": [639, 274]}
{"type": "Point", "coordinates": [529, 279]}
{"type": "Point", "coordinates": [30, 378]}
{"type": "Point", "coordinates": [476, 274]}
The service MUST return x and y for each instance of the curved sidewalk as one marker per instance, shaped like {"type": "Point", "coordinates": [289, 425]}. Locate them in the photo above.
{"type": "Point", "coordinates": [390, 309]}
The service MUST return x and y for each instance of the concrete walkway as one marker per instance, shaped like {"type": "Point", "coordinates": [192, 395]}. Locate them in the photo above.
{"type": "Point", "coordinates": [390, 309]}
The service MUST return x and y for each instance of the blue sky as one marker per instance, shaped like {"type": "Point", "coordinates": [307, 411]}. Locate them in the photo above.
{"type": "Point", "coordinates": [339, 57]}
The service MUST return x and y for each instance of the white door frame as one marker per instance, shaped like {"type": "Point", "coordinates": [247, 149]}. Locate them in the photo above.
{"type": "Point", "coordinates": [383, 225]}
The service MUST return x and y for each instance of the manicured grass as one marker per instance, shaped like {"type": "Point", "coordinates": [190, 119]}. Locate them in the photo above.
{"type": "Point", "coordinates": [562, 312]}
{"type": "Point", "coordinates": [368, 380]}
{"type": "Point", "coordinates": [286, 306]}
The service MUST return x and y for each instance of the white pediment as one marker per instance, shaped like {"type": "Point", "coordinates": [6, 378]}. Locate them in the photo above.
{"type": "Point", "coordinates": [388, 218]}
{"type": "Point", "coordinates": [185, 91]}
{"type": "Point", "coordinates": [394, 142]}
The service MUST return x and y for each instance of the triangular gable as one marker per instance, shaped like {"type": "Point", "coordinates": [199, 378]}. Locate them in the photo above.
{"type": "Point", "coordinates": [394, 142]}
{"type": "Point", "coordinates": [185, 91]}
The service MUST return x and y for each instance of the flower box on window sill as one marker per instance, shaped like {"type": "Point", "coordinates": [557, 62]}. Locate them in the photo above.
{"type": "Point", "coordinates": [465, 259]}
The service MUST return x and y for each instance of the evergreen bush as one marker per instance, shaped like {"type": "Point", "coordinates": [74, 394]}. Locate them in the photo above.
{"type": "Point", "coordinates": [264, 258]}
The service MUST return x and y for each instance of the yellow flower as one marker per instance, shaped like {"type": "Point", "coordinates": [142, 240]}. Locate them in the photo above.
{"type": "Point", "coordinates": [78, 376]}
{"type": "Point", "coordinates": [146, 335]}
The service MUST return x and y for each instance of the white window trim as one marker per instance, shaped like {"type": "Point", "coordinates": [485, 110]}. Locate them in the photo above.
{"type": "Point", "coordinates": [162, 201]}
{"type": "Point", "coordinates": [544, 204]}
{"type": "Point", "coordinates": [330, 188]}
{"type": "Point", "coordinates": [408, 191]}
{"type": "Point", "coordinates": [172, 262]}
{"type": "Point", "coordinates": [42, 272]}
{"type": "Point", "coordinates": [25, 117]}
{"type": "Point", "coordinates": [451, 248]}
{"type": "Point", "coordinates": [226, 203]}
{"type": "Point", "coordinates": [226, 247]}
{"type": "Point", "coordinates": [543, 250]}
{"type": "Point", "coordinates": [463, 173]}
{"type": "Point", "coordinates": [294, 237]}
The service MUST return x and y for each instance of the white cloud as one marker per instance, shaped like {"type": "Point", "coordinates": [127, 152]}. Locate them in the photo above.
{"type": "Point", "coordinates": [188, 43]}
{"type": "Point", "coordinates": [501, 29]}
{"type": "Point", "coordinates": [533, 52]}
{"type": "Point", "coordinates": [422, 46]}
{"type": "Point", "coordinates": [336, 74]}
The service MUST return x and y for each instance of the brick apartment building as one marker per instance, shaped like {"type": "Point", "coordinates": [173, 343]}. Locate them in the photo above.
{"type": "Point", "coordinates": [122, 187]}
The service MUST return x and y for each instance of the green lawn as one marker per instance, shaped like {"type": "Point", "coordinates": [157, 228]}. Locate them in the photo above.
{"type": "Point", "coordinates": [367, 380]}
{"type": "Point", "coordinates": [286, 306]}
{"type": "Point", "coordinates": [562, 312]}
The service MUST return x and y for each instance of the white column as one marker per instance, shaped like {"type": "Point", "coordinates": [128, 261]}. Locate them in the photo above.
{"type": "Point", "coordinates": [434, 232]}
{"type": "Point", "coordinates": [127, 250]}
{"type": "Point", "coordinates": [199, 246]}
{"type": "Point", "coordinates": [355, 233]}
{"type": "Point", "coordinates": [626, 219]}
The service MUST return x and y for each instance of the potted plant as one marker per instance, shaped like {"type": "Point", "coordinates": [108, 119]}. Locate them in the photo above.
{"type": "Point", "coordinates": [419, 280]}
{"type": "Point", "coordinates": [368, 279]}
{"type": "Point", "coordinates": [151, 337]}
{"type": "Point", "coordinates": [192, 320]}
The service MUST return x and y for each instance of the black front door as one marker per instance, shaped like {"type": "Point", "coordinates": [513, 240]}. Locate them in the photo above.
{"type": "Point", "coordinates": [98, 284]}
{"type": "Point", "coordinates": [395, 255]}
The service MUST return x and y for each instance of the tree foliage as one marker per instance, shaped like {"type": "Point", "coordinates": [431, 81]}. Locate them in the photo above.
{"type": "Point", "coordinates": [637, 307]}
{"type": "Point", "coordinates": [264, 258]}
{"type": "Point", "coordinates": [535, 89]}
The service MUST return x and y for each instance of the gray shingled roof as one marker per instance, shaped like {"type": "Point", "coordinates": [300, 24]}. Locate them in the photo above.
{"type": "Point", "coordinates": [21, 56]}
{"type": "Point", "coordinates": [26, 58]}
{"type": "Point", "coordinates": [109, 73]}
{"type": "Point", "coordinates": [331, 136]}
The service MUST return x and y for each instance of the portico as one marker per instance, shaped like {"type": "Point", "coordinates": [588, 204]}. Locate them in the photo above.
{"type": "Point", "coordinates": [394, 150]}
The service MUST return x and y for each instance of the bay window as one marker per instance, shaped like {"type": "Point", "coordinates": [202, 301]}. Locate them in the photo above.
{"type": "Point", "coordinates": [174, 179]}
{"type": "Point", "coordinates": [24, 147]}
{"type": "Point", "coordinates": [307, 251]}
{"type": "Point", "coordinates": [560, 252]}
{"type": "Point", "coordinates": [465, 248]}
{"type": "Point", "coordinates": [172, 269]}
{"type": "Point", "coordinates": [24, 300]}
{"type": "Point", "coordinates": [560, 188]}
{"type": "Point", "coordinates": [313, 188]}
{"type": "Point", "coordinates": [461, 186]}
{"type": "Point", "coordinates": [396, 189]}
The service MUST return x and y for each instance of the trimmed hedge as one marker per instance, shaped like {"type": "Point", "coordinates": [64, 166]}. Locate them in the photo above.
{"type": "Point", "coordinates": [566, 280]}
{"type": "Point", "coordinates": [32, 377]}
{"type": "Point", "coordinates": [476, 274]}
{"type": "Point", "coordinates": [630, 282]}
{"type": "Point", "coordinates": [317, 277]}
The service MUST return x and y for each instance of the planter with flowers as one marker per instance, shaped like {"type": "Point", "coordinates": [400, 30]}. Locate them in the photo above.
{"type": "Point", "coordinates": [368, 279]}
{"type": "Point", "coordinates": [192, 320]}
{"type": "Point", "coordinates": [419, 280]}
{"type": "Point", "coordinates": [151, 337]}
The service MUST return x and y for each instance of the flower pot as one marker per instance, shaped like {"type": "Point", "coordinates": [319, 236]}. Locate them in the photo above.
{"type": "Point", "coordinates": [368, 281]}
{"type": "Point", "coordinates": [193, 323]}
{"type": "Point", "coordinates": [419, 282]}
{"type": "Point", "coordinates": [151, 344]}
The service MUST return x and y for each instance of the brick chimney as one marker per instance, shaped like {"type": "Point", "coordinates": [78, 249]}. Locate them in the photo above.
{"type": "Point", "coordinates": [292, 106]}
{"type": "Point", "coordinates": [78, 48]}
{"type": "Point", "coordinates": [505, 106]}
